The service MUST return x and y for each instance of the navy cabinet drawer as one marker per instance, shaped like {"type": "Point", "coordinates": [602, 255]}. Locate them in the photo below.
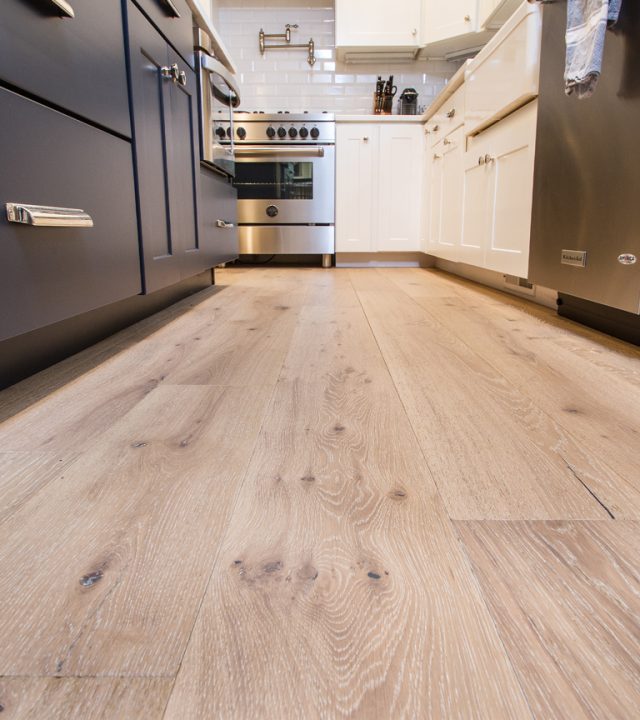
{"type": "Point", "coordinates": [174, 20]}
{"type": "Point", "coordinates": [218, 219]}
{"type": "Point", "coordinates": [75, 63]}
{"type": "Point", "coordinates": [52, 273]}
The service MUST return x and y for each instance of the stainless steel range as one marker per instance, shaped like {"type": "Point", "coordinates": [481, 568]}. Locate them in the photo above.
{"type": "Point", "coordinates": [285, 177]}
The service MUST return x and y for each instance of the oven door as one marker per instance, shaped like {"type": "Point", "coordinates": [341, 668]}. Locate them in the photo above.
{"type": "Point", "coordinates": [285, 185]}
{"type": "Point", "coordinates": [219, 95]}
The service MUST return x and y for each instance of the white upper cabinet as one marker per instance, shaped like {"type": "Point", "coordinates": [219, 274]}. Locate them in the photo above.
{"type": "Point", "coordinates": [493, 14]}
{"type": "Point", "coordinates": [378, 24]}
{"type": "Point", "coordinates": [444, 19]}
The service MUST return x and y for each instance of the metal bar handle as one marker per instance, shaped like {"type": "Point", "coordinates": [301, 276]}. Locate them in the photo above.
{"type": "Point", "coordinates": [283, 151]}
{"type": "Point", "coordinates": [223, 224]}
{"type": "Point", "coordinates": [173, 10]}
{"type": "Point", "coordinates": [45, 216]}
{"type": "Point", "coordinates": [214, 66]}
{"type": "Point", "coordinates": [66, 10]}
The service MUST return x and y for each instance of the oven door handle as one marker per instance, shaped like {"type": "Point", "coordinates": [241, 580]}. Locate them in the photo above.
{"type": "Point", "coordinates": [215, 67]}
{"type": "Point", "coordinates": [279, 152]}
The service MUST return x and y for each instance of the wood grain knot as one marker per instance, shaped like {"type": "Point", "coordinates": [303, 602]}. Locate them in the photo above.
{"type": "Point", "coordinates": [272, 567]}
{"type": "Point", "coordinates": [397, 494]}
{"type": "Point", "coordinates": [91, 578]}
{"type": "Point", "coordinates": [338, 428]}
{"type": "Point", "coordinates": [571, 410]}
{"type": "Point", "coordinates": [139, 444]}
{"type": "Point", "coordinates": [307, 572]}
{"type": "Point", "coordinates": [308, 479]}
{"type": "Point", "coordinates": [282, 307]}
{"type": "Point", "coordinates": [374, 575]}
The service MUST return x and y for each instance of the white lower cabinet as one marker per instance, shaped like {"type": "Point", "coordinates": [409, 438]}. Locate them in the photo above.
{"type": "Point", "coordinates": [446, 195]}
{"type": "Point", "coordinates": [498, 194]}
{"type": "Point", "coordinates": [356, 186]}
{"type": "Point", "coordinates": [379, 187]}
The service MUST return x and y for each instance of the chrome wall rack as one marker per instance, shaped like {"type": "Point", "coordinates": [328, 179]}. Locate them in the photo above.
{"type": "Point", "coordinates": [286, 36]}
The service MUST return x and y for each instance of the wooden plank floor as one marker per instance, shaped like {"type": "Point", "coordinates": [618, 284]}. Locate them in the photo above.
{"type": "Point", "coordinates": [327, 494]}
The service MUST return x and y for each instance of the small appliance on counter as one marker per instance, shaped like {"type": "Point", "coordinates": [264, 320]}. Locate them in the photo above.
{"type": "Point", "coordinates": [408, 102]}
{"type": "Point", "coordinates": [383, 96]}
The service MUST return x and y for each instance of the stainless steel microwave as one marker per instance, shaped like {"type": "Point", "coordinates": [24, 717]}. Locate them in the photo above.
{"type": "Point", "coordinates": [219, 95]}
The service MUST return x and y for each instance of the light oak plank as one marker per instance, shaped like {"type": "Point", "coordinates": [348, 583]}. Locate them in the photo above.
{"type": "Point", "coordinates": [340, 590]}
{"type": "Point", "coordinates": [23, 474]}
{"type": "Point", "coordinates": [566, 598]}
{"type": "Point", "coordinates": [492, 452]}
{"type": "Point", "coordinates": [83, 699]}
{"type": "Point", "coordinates": [597, 418]}
{"type": "Point", "coordinates": [102, 572]}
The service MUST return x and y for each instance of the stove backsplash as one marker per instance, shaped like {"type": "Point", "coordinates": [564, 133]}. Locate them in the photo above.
{"type": "Point", "coordinates": [282, 79]}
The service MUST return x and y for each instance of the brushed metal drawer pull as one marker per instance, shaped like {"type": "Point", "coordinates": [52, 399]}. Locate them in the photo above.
{"type": "Point", "coordinates": [65, 8]}
{"type": "Point", "coordinates": [173, 10]}
{"type": "Point", "coordinates": [451, 113]}
{"type": "Point", "coordinates": [224, 225]}
{"type": "Point", "coordinates": [44, 216]}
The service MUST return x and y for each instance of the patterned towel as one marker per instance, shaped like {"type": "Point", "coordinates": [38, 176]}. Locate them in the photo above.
{"type": "Point", "coordinates": [587, 23]}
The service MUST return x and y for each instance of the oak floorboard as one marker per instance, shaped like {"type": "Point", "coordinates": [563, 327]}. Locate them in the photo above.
{"type": "Point", "coordinates": [492, 452]}
{"type": "Point", "coordinates": [23, 474]}
{"type": "Point", "coordinates": [84, 698]}
{"type": "Point", "coordinates": [340, 589]}
{"type": "Point", "coordinates": [597, 415]}
{"type": "Point", "coordinates": [102, 573]}
{"type": "Point", "coordinates": [566, 599]}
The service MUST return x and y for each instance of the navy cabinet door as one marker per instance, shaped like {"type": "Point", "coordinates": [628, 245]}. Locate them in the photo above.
{"type": "Point", "coordinates": [218, 219]}
{"type": "Point", "coordinates": [165, 140]}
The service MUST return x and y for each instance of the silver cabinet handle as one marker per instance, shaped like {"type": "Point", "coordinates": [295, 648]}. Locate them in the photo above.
{"type": "Point", "coordinates": [489, 159]}
{"type": "Point", "coordinates": [44, 216]}
{"type": "Point", "coordinates": [173, 10]}
{"type": "Point", "coordinates": [65, 8]}
{"type": "Point", "coordinates": [182, 78]}
{"type": "Point", "coordinates": [446, 141]}
{"type": "Point", "coordinates": [481, 160]}
{"type": "Point", "coordinates": [365, 139]}
{"type": "Point", "coordinates": [437, 157]}
{"type": "Point", "coordinates": [224, 225]}
{"type": "Point", "coordinates": [169, 72]}
{"type": "Point", "coordinates": [451, 113]}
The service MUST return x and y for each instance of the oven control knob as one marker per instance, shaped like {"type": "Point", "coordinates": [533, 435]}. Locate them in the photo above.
{"type": "Point", "coordinates": [272, 211]}
{"type": "Point", "coordinates": [314, 133]}
{"type": "Point", "coordinates": [242, 133]}
{"type": "Point", "coordinates": [229, 131]}
{"type": "Point", "coordinates": [293, 132]}
{"type": "Point", "coordinates": [220, 132]}
{"type": "Point", "coordinates": [304, 132]}
{"type": "Point", "coordinates": [271, 132]}
{"type": "Point", "coordinates": [282, 133]}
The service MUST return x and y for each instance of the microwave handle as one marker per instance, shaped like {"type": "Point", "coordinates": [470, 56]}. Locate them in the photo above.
{"type": "Point", "coordinates": [171, 8]}
{"type": "Point", "coordinates": [214, 66]}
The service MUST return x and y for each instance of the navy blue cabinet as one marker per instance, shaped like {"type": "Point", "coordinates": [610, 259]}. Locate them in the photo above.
{"type": "Point", "coordinates": [218, 217]}
{"type": "Point", "coordinates": [173, 19]}
{"type": "Point", "coordinates": [48, 274]}
{"type": "Point", "coordinates": [75, 63]}
{"type": "Point", "coordinates": [165, 122]}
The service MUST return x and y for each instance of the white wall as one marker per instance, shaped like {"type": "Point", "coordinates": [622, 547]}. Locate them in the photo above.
{"type": "Point", "coordinates": [282, 79]}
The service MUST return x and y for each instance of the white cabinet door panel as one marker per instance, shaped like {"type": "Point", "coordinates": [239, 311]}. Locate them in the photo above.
{"type": "Point", "coordinates": [452, 195]}
{"type": "Point", "coordinates": [400, 187]}
{"type": "Point", "coordinates": [444, 19]}
{"type": "Point", "coordinates": [378, 23]}
{"type": "Point", "coordinates": [356, 187]}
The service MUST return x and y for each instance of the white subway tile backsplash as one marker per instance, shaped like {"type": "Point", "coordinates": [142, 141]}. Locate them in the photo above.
{"type": "Point", "coordinates": [282, 79]}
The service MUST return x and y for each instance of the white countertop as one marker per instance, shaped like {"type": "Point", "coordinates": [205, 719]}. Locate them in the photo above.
{"type": "Point", "coordinates": [379, 119]}
{"type": "Point", "coordinates": [203, 21]}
